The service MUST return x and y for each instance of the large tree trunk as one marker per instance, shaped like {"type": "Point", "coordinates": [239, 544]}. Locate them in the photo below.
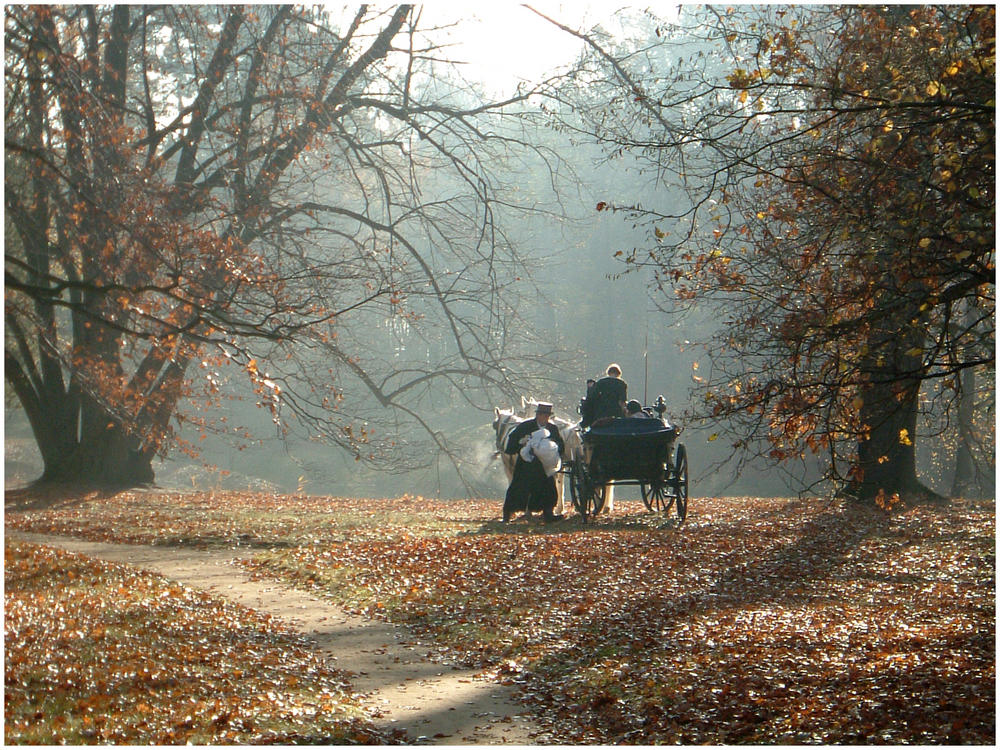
{"type": "Point", "coordinates": [890, 398]}
{"type": "Point", "coordinates": [110, 459]}
{"type": "Point", "coordinates": [79, 441]}
{"type": "Point", "coordinates": [887, 455]}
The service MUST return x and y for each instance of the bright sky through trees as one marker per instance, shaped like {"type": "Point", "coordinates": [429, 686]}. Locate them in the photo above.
{"type": "Point", "coordinates": [503, 43]}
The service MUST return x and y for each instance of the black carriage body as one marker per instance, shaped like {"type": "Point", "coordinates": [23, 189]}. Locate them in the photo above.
{"type": "Point", "coordinates": [629, 449]}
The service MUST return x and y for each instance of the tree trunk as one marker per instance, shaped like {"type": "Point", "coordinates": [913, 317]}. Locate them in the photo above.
{"type": "Point", "coordinates": [110, 459]}
{"type": "Point", "coordinates": [887, 455]}
{"type": "Point", "coordinates": [965, 483]}
{"type": "Point", "coordinates": [893, 371]}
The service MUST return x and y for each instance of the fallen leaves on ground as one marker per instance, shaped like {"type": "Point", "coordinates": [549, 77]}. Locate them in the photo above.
{"type": "Point", "coordinates": [99, 653]}
{"type": "Point", "coordinates": [759, 620]}
{"type": "Point", "coordinates": [236, 519]}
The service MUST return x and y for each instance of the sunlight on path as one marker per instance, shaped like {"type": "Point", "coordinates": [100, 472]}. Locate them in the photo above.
{"type": "Point", "coordinates": [432, 700]}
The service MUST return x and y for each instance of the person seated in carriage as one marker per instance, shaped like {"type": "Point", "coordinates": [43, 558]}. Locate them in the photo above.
{"type": "Point", "coordinates": [608, 397]}
{"type": "Point", "coordinates": [586, 403]}
{"type": "Point", "coordinates": [533, 485]}
{"type": "Point", "coordinates": [634, 410]}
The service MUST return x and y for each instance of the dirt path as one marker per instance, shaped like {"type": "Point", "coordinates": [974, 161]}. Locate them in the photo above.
{"type": "Point", "coordinates": [434, 702]}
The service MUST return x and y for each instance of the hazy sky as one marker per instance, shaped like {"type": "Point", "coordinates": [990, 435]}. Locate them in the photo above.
{"type": "Point", "coordinates": [505, 42]}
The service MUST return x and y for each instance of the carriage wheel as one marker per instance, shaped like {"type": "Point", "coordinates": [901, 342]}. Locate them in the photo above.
{"type": "Point", "coordinates": [581, 489]}
{"type": "Point", "coordinates": [656, 497]}
{"type": "Point", "coordinates": [680, 481]}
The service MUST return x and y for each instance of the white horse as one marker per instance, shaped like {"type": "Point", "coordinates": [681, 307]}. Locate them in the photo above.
{"type": "Point", "coordinates": [504, 423]}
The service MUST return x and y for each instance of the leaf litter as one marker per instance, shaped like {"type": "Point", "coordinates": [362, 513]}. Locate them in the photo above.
{"type": "Point", "coordinates": [759, 621]}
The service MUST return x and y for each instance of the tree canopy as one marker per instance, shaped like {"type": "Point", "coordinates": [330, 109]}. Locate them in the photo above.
{"type": "Point", "coordinates": [828, 179]}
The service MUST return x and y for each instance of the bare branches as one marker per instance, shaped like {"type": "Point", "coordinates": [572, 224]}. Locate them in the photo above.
{"type": "Point", "coordinates": [253, 186]}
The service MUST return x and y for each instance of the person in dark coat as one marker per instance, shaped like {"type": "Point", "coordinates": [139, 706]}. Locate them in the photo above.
{"type": "Point", "coordinates": [609, 396]}
{"type": "Point", "coordinates": [586, 404]}
{"type": "Point", "coordinates": [530, 489]}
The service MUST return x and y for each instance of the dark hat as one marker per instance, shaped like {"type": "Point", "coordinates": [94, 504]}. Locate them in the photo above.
{"type": "Point", "coordinates": [633, 406]}
{"type": "Point", "coordinates": [543, 408]}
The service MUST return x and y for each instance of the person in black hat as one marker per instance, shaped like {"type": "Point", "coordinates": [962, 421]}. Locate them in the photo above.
{"type": "Point", "coordinates": [530, 489]}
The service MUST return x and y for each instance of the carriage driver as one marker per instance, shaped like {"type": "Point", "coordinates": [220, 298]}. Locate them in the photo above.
{"type": "Point", "coordinates": [530, 489]}
{"type": "Point", "coordinates": [607, 398]}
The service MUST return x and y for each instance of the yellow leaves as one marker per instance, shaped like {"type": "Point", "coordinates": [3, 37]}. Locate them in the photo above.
{"type": "Point", "coordinates": [888, 126]}
{"type": "Point", "coordinates": [740, 79]}
{"type": "Point", "coordinates": [933, 88]}
{"type": "Point", "coordinates": [904, 437]}
{"type": "Point", "coordinates": [887, 502]}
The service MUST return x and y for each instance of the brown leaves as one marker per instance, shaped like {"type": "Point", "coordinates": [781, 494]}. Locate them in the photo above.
{"type": "Point", "coordinates": [102, 653]}
{"type": "Point", "coordinates": [760, 621]}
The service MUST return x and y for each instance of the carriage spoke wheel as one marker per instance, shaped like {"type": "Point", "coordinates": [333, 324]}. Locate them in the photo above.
{"type": "Point", "coordinates": [680, 481]}
{"type": "Point", "coordinates": [656, 497]}
{"type": "Point", "coordinates": [581, 489]}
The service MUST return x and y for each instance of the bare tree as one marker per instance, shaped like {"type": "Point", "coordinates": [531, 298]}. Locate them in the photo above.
{"type": "Point", "coordinates": [260, 186]}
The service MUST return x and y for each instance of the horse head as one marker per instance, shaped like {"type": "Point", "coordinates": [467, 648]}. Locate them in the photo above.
{"type": "Point", "coordinates": [528, 406]}
{"type": "Point", "coordinates": [503, 422]}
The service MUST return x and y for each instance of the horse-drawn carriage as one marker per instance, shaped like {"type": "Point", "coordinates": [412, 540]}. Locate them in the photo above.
{"type": "Point", "coordinates": [630, 451]}
{"type": "Point", "coordinates": [620, 451]}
